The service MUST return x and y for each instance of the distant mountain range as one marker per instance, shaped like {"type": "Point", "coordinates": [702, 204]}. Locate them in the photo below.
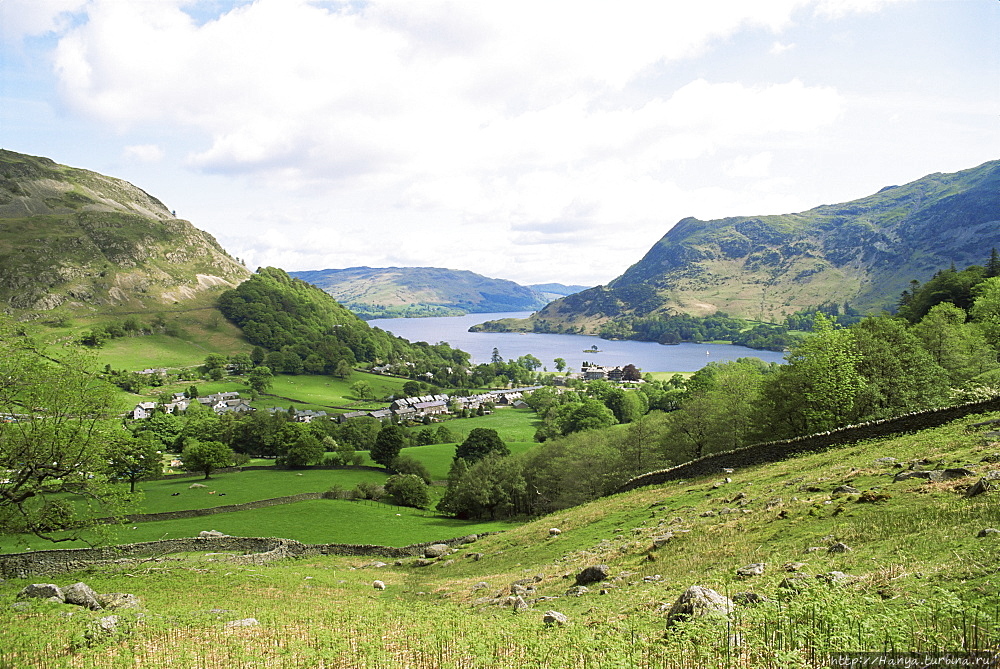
{"type": "Point", "coordinates": [82, 241]}
{"type": "Point", "coordinates": [379, 292]}
{"type": "Point", "coordinates": [864, 253]}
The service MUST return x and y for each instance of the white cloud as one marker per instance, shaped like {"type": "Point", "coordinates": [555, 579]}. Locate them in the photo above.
{"type": "Point", "coordinates": [24, 18]}
{"type": "Point", "coordinates": [757, 166]}
{"type": "Point", "coordinates": [777, 48]}
{"type": "Point", "coordinates": [143, 153]}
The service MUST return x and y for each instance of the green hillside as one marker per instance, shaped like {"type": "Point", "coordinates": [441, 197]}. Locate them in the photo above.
{"type": "Point", "coordinates": [917, 577]}
{"type": "Point", "coordinates": [77, 241]}
{"type": "Point", "coordinates": [862, 253]}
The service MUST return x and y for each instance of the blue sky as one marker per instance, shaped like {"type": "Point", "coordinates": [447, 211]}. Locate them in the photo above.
{"type": "Point", "coordinates": [528, 140]}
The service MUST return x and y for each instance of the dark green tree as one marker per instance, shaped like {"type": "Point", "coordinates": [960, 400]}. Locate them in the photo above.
{"type": "Point", "coordinates": [206, 456]}
{"type": "Point", "coordinates": [388, 443]}
{"type": "Point", "coordinates": [408, 490]}
{"type": "Point", "coordinates": [134, 459]}
{"type": "Point", "coordinates": [480, 442]}
{"type": "Point", "coordinates": [260, 379]}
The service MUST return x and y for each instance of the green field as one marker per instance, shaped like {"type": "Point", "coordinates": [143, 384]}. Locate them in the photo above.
{"type": "Point", "coordinates": [438, 457]}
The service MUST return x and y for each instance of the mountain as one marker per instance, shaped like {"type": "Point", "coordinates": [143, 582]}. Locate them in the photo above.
{"type": "Point", "coordinates": [863, 252]}
{"type": "Point", "coordinates": [78, 240]}
{"type": "Point", "coordinates": [374, 292]}
{"type": "Point", "coordinates": [553, 291]}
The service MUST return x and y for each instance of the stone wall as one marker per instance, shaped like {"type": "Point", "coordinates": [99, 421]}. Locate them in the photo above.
{"type": "Point", "coordinates": [194, 513]}
{"type": "Point", "coordinates": [775, 451]}
{"type": "Point", "coordinates": [250, 549]}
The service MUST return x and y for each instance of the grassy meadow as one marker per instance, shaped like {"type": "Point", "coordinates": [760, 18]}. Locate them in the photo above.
{"type": "Point", "coordinates": [917, 578]}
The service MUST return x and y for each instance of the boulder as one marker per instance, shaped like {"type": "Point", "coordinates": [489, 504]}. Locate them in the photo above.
{"type": "Point", "coordinates": [834, 577]}
{"type": "Point", "coordinates": [839, 547]}
{"type": "Point", "coordinates": [592, 574]}
{"type": "Point", "coordinates": [102, 629]}
{"type": "Point", "coordinates": [519, 605]}
{"type": "Point", "coordinates": [978, 488]}
{"type": "Point", "coordinates": [554, 618]}
{"type": "Point", "coordinates": [662, 540]}
{"type": "Point", "coordinates": [82, 594]}
{"type": "Point", "coordinates": [211, 534]}
{"type": "Point", "coordinates": [469, 539]}
{"type": "Point", "coordinates": [989, 531]}
{"type": "Point", "coordinates": [422, 562]}
{"type": "Point", "coordinates": [845, 490]}
{"type": "Point", "coordinates": [748, 598]}
{"type": "Point", "coordinates": [753, 569]}
{"type": "Point", "coordinates": [42, 591]}
{"type": "Point", "coordinates": [577, 591]}
{"type": "Point", "coordinates": [697, 602]}
{"type": "Point", "coordinates": [437, 550]}
{"type": "Point", "coordinates": [118, 600]}
{"type": "Point", "coordinates": [793, 566]}
{"type": "Point", "coordinates": [795, 583]}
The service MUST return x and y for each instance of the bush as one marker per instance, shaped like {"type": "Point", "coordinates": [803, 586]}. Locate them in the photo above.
{"type": "Point", "coordinates": [368, 490]}
{"type": "Point", "coordinates": [407, 464]}
{"type": "Point", "coordinates": [408, 490]}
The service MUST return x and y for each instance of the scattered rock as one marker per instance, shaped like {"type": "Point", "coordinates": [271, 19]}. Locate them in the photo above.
{"type": "Point", "coordinates": [662, 540]}
{"type": "Point", "coordinates": [554, 532]}
{"type": "Point", "coordinates": [211, 534]}
{"type": "Point", "coordinates": [376, 565]}
{"type": "Point", "coordinates": [577, 591]}
{"type": "Point", "coordinates": [102, 628]}
{"type": "Point", "coordinates": [437, 550]}
{"type": "Point", "coordinates": [748, 598]}
{"type": "Point", "coordinates": [834, 577]}
{"type": "Point", "coordinates": [698, 601]}
{"type": "Point", "coordinates": [469, 539]}
{"type": "Point", "coordinates": [119, 600]}
{"type": "Point", "coordinates": [992, 457]}
{"type": "Point", "coordinates": [476, 557]}
{"type": "Point", "coordinates": [978, 488]}
{"type": "Point", "coordinates": [554, 618]}
{"type": "Point", "coordinates": [873, 497]}
{"type": "Point", "coordinates": [592, 574]}
{"type": "Point", "coordinates": [482, 585]}
{"type": "Point", "coordinates": [839, 547]}
{"type": "Point", "coordinates": [243, 622]}
{"type": "Point", "coordinates": [42, 591]}
{"type": "Point", "coordinates": [754, 569]}
{"type": "Point", "coordinates": [845, 490]}
{"type": "Point", "coordinates": [82, 594]}
{"type": "Point", "coordinates": [956, 473]}
{"type": "Point", "coordinates": [520, 605]}
{"type": "Point", "coordinates": [987, 532]}
{"type": "Point", "coordinates": [884, 461]}
{"type": "Point", "coordinates": [793, 566]}
{"type": "Point", "coordinates": [707, 514]}
{"type": "Point", "coordinates": [795, 583]}
{"type": "Point", "coordinates": [655, 578]}
{"type": "Point", "coordinates": [378, 585]}
{"type": "Point", "coordinates": [422, 562]}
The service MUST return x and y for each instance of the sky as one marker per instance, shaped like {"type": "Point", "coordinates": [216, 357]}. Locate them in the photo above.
{"type": "Point", "coordinates": [530, 140]}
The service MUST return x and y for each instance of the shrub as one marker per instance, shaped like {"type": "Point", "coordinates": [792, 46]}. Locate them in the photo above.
{"type": "Point", "coordinates": [407, 464]}
{"type": "Point", "coordinates": [408, 490]}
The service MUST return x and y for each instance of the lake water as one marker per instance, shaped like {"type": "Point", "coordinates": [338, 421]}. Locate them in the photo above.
{"type": "Point", "coordinates": [647, 356]}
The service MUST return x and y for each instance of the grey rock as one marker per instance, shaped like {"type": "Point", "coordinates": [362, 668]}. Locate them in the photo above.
{"type": "Point", "coordinates": [592, 574]}
{"type": "Point", "coordinates": [839, 547]}
{"type": "Point", "coordinates": [748, 598]}
{"type": "Point", "coordinates": [482, 585]}
{"type": "Point", "coordinates": [437, 550]}
{"type": "Point", "coordinates": [118, 600]}
{"type": "Point", "coordinates": [795, 583]}
{"type": "Point", "coordinates": [520, 605]}
{"type": "Point", "coordinates": [707, 514]}
{"type": "Point", "coordinates": [793, 566]}
{"type": "Point", "coordinates": [697, 602]}
{"type": "Point", "coordinates": [82, 594]}
{"type": "Point", "coordinates": [989, 531]}
{"type": "Point", "coordinates": [956, 473]}
{"type": "Point", "coordinates": [469, 539]}
{"type": "Point", "coordinates": [845, 490]}
{"type": "Point", "coordinates": [978, 488]}
{"type": "Point", "coordinates": [753, 569]}
{"type": "Point", "coordinates": [554, 618]}
{"type": "Point", "coordinates": [834, 577]}
{"type": "Point", "coordinates": [102, 628]}
{"type": "Point", "coordinates": [41, 591]}
{"type": "Point", "coordinates": [377, 564]}
{"type": "Point", "coordinates": [662, 540]}
{"type": "Point", "coordinates": [577, 591]}
{"type": "Point", "coordinates": [243, 622]}
{"type": "Point", "coordinates": [655, 578]}
{"type": "Point", "coordinates": [422, 562]}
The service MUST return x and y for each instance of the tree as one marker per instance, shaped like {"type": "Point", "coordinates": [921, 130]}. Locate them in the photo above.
{"type": "Point", "coordinates": [560, 364]}
{"type": "Point", "coordinates": [134, 459]}
{"type": "Point", "coordinates": [388, 443]}
{"type": "Point", "coordinates": [408, 490]}
{"type": "Point", "coordinates": [492, 488]}
{"type": "Point", "coordinates": [529, 362]}
{"type": "Point", "coordinates": [240, 363]}
{"type": "Point", "coordinates": [443, 435]}
{"type": "Point", "coordinates": [260, 379]}
{"type": "Point", "coordinates": [362, 390]}
{"type": "Point", "coordinates": [482, 441]}
{"type": "Point", "coordinates": [343, 369]}
{"type": "Point", "coordinates": [590, 414]}
{"type": "Point", "coordinates": [206, 456]}
{"type": "Point", "coordinates": [300, 448]}
{"type": "Point", "coordinates": [631, 373]}
{"type": "Point", "coordinates": [57, 415]}
{"type": "Point", "coordinates": [412, 388]}
{"type": "Point", "coordinates": [959, 347]}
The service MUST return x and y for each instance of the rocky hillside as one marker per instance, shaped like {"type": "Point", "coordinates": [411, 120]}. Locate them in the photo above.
{"type": "Point", "coordinates": [75, 239]}
{"type": "Point", "coordinates": [863, 253]}
{"type": "Point", "coordinates": [421, 291]}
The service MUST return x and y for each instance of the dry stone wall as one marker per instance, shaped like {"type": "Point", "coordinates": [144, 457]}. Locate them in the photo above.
{"type": "Point", "coordinates": [775, 451]}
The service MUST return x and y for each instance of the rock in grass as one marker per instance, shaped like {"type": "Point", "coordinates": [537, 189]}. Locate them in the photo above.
{"type": "Point", "coordinates": [978, 488]}
{"type": "Point", "coordinates": [82, 594]}
{"type": "Point", "coordinates": [845, 490]}
{"type": "Point", "coordinates": [437, 550]}
{"type": "Point", "coordinates": [592, 574]}
{"type": "Point", "coordinates": [753, 569]}
{"type": "Point", "coordinates": [243, 622]}
{"type": "Point", "coordinates": [118, 600]}
{"type": "Point", "coordinates": [42, 591]}
{"type": "Point", "coordinates": [698, 602]}
{"type": "Point", "coordinates": [989, 531]}
{"type": "Point", "coordinates": [577, 591]}
{"type": "Point", "coordinates": [554, 618]}
{"type": "Point", "coordinates": [839, 547]}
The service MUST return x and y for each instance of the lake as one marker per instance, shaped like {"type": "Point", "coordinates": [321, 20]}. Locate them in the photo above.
{"type": "Point", "coordinates": [647, 356]}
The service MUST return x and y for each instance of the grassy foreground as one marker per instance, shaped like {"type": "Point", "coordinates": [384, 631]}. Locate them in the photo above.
{"type": "Point", "coordinates": [917, 578]}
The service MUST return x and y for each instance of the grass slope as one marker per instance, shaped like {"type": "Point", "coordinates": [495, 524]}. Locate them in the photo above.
{"type": "Point", "coordinates": [918, 578]}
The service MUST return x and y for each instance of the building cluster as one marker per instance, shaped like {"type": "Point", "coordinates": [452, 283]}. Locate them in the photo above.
{"type": "Point", "coordinates": [228, 402]}
{"type": "Point", "coordinates": [418, 408]}
{"type": "Point", "coordinates": [599, 373]}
